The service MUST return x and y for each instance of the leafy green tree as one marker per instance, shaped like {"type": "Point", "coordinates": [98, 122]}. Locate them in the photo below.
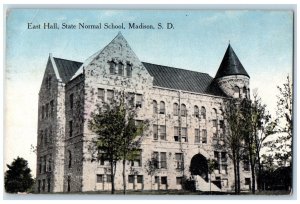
{"type": "Point", "coordinates": [117, 133]}
{"type": "Point", "coordinates": [212, 165]}
{"type": "Point", "coordinates": [283, 144]}
{"type": "Point", "coordinates": [18, 177]}
{"type": "Point", "coordinates": [233, 141]}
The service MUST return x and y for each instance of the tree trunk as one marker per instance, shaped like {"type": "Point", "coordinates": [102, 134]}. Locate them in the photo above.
{"type": "Point", "coordinates": [124, 177]}
{"type": "Point", "coordinates": [112, 176]}
{"type": "Point", "coordinates": [235, 172]}
{"type": "Point", "coordinates": [252, 165]}
{"type": "Point", "coordinates": [238, 174]}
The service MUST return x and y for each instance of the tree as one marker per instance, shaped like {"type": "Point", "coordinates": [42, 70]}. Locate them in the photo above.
{"type": "Point", "coordinates": [151, 167]}
{"type": "Point", "coordinates": [284, 122]}
{"type": "Point", "coordinates": [18, 177]}
{"type": "Point", "coordinates": [257, 128]}
{"type": "Point", "coordinates": [233, 141]}
{"type": "Point", "coordinates": [117, 133]}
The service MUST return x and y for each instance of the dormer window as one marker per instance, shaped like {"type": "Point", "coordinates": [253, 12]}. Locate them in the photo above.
{"type": "Point", "coordinates": [120, 69]}
{"type": "Point", "coordinates": [129, 70]}
{"type": "Point", "coordinates": [112, 67]}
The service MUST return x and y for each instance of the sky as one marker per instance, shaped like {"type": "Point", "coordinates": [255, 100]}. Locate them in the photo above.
{"type": "Point", "coordinates": [262, 40]}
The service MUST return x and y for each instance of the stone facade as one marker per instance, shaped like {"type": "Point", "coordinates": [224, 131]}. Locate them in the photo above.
{"type": "Point", "coordinates": [184, 126]}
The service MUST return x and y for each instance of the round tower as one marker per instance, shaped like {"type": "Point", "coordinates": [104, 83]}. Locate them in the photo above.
{"type": "Point", "coordinates": [231, 77]}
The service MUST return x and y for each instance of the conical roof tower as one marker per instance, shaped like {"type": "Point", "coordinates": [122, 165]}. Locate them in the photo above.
{"type": "Point", "coordinates": [230, 65]}
{"type": "Point", "coordinates": [232, 77]}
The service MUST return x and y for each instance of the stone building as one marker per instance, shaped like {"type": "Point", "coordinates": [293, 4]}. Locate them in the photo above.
{"type": "Point", "coordinates": [184, 109]}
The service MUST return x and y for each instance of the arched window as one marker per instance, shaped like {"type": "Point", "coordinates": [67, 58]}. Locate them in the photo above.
{"type": "Point", "coordinates": [214, 117]}
{"type": "Point", "coordinates": [112, 67]}
{"type": "Point", "coordinates": [70, 158]}
{"type": "Point", "coordinates": [183, 110]}
{"type": "Point", "coordinates": [129, 70]}
{"type": "Point", "coordinates": [175, 109]}
{"type": "Point", "coordinates": [236, 91]}
{"type": "Point", "coordinates": [203, 113]}
{"type": "Point", "coordinates": [196, 111]}
{"type": "Point", "coordinates": [120, 69]}
{"type": "Point", "coordinates": [162, 107]}
{"type": "Point", "coordinates": [214, 113]}
{"type": "Point", "coordinates": [154, 106]}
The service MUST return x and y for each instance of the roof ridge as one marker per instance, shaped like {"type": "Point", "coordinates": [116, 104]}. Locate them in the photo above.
{"type": "Point", "coordinates": [66, 59]}
{"type": "Point", "coordinates": [177, 68]}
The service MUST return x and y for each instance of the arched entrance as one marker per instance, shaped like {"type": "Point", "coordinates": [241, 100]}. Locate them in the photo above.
{"type": "Point", "coordinates": [199, 166]}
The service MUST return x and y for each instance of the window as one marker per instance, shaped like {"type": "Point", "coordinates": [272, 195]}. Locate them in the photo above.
{"type": "Point", "coordinates": [204, 136]}
{"type": "Point", "coordinates": [155, 132]}
{"type": "Point", "coordinates": [184, 134]}
{"type": "Point", "coordinates": [214, 113]}
{"type": "Point", "coordinates": [216, 155]}
{"type": "Point", "coordinates": [156, 179]}
{"type": "Point", "coordinates": [221, 124]}
{"type": "Point", "coordinates": [48, 82]}
{"type": "Point", "coordinates": [49, 184]}
{"type": "Point", "coordinates": [224, 168]}
{"type": "Point", "coordinates": [154, 106]}
{"type": "Point", "coordinates": [183, 110]}
{"type": "Point", "coordinates": [71, 101]}
{"type": "Point", "coordinates": [51, 108]}
{"type": "Point", "coordinates": [163, 160]}
{"type": "Point", "coordinates": [101, 158]}
{"type": "Point", "coordinates": [100, 178]}
{"type": "Point", "coordinates": [179, 180]}
{"type": "Point", "coordinates": [137, 158]}
{"type": "Point", "coordinates": [46, 137]}
{"type": "Point", "coordinates": [47, 110]}
{"type": "Point", "coordinates": [70, 159]}
{"type": "Point", "coordinates": [39, 186]}
{"type": "Point", "coordinates": [42, 138]}
{"type": "Point", "coordinates": [155, 159]}
{"type": "Point", "coordinates": [69, 183]}
{"type": "Point", "coordinates": [214, 122]}
{"type": "Point", "coordinates": [112, 67]}
{"type": "Point", "coordinates": [43, 185]}
{"type": "Point", "coordinates": [43, 112]}
{"type": "Point", "coordinates": [108, 178]}
{"type": "Point", "coordinates": [120, 69]}
{"type": "Point", "coordinates": [203, 113]}
{"type": "Point", "coordinates": [197, 136]}
{"type": "Point", "coordinates": [45, 163]}
{"type": "Point", "coordinates": [139, 125]}
{"type": "Point", "coordinates": [50, 163]}
{"type": "Point", "coordinates": [163, 180]}
{"type": "Point", "coordinates": [246, 166]}
{"type": "Point", "coordinates": [196, 111]}
{"type": "Point", "coordinates": [130, 178]}
{"type": "Point", "coordinates": [176, 134]}
{"type": "Point", "coordinates": [175, 109]}
{"type": "Point", "coordinates": [50, 137]}
{"type": "Point", "coordinates": [41, 165]}
{"type": "Point", "coordinates": [110, 96]}
{"type": "Point", "coordinates": [162, 133]}
{"type": "Point", "coordinates": [129, 70]}
{"type": "Point", "coordinates": [179, 160]}
{"type": "Point", "coordinates": [101, 94]}
{"type": "Point", "coordinates": [247, 181]}
{"type": "Point", "coordinates": [139, 98]}
{"type": "Point", "coordinates": [140, 179]}
{"type": "Point", "coordinates": [223, 157]}
{"type": "Point", "coordinates": [70, 128]}
{"type": "Point", "coordinates": [130, 99]}
{"type": "Point", "coordinates": [162, 107]}
{"type": "Point", "coordinates": [236, 91]}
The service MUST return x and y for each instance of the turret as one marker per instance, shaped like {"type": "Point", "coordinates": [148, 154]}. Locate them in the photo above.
{"type": "Point", "coordinates": [231, 77]}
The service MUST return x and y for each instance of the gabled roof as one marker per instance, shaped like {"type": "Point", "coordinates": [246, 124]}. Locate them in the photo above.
{"type": "Point", "coordinates": [66, 68]}
{"type": "Point", "coordinates": [180, 79]}
{"type": "Point", "coordinates": [230, 65]}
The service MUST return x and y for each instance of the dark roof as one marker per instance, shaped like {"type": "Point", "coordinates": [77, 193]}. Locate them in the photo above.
{"type": "Point", "coordinates": [230, 65]}
{"type": "Point", "coordinates": [181, 79]}
{"type": "Point", "coordinates": [164, 76]}
{"type": "Point", "coordinates": [66, 68]}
